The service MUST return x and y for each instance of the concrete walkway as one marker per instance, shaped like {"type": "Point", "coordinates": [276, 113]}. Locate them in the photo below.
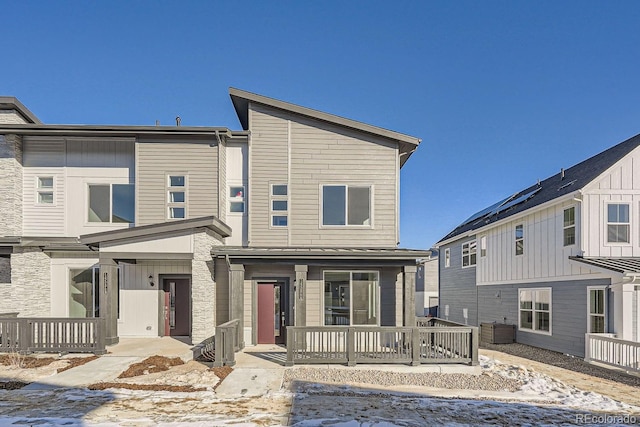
{"type": "Point", "coordinates": [118, 358]}
{"type": "Point", "coordinates": [259, 370]}
{"type": "Point", "coordinates": [612, 389]}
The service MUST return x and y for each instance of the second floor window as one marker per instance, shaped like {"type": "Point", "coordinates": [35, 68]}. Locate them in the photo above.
{"type": "Point", "coordinates": [45, 190]}
{"type": "Point", "coordinates": [236, 199]}
{"type": "Point", "coordinates": [111, 203]}
{"type": "Point", "coordinates": [618, 223]}
{"type": "Point", "coordinates": [569, 227]}
{"type": "Point", "coordinates": [483, 246]}
{"type": "Point", "coordinates": [519, 239]}
{"type": "Point", "coordinates": [279, 205]}
{"type": "Point", "coordinates": [346, 205]}
{"type": "Point", "coordinates": [447, 257]}
{"type": "Point", "coordinates": [176, 196]}
{"type": "Point", "coordinates": [469, 254]}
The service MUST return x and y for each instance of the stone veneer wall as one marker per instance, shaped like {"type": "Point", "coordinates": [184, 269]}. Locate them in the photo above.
{"type": "Point", "coordinates": [11, 178]}
{"type": "Point", "coordinates": [11, 117]}
{"type": "Point", "coordinates": [30, 283]}
{"type": "Point", "coordinates": [203, 288]}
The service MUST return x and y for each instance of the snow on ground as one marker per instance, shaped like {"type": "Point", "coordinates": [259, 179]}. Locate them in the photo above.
{"type": "Point", "coordinates": [541, 400]}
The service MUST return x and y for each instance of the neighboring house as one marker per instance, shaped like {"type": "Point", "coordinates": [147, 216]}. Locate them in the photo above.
{"type": "Point", "coordinates": [172, 230]}
{"type": "Point", "coordinates": [558, 259]}
{"type": "Point", "coordinates": [427, 286]}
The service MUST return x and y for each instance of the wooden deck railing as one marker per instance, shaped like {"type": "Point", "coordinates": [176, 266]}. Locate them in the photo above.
{"type": "Point", "coordinates": [606, 349]}
{"type": "Point", "coordinates": [401, 345]}
{"type": "Point", "coordinates": [52, 335]}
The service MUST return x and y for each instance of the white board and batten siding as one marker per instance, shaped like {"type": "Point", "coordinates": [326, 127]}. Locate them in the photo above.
{"type": "Point", "coordinates": [545, 257]}
{"type": "Point", "coordinates": [156, 160]}
{"type": "Point", "coordinates": [620, 184]}
{"type": "Point", "coordinates": [74, 163]}
{"type": "Point", "coordinates": [307, 153]}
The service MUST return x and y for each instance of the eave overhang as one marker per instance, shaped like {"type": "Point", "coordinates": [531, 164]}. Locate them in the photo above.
{"type": "Point", "coordinates": [120, 131]}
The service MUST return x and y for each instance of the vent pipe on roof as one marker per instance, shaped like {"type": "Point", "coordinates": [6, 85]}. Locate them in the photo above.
{"type": "Point", "coordinates": [561, 173]}
{"type": "Point", "coordinates": [157, 122]}
{"type": "Point", "coordinates": [178, 120]}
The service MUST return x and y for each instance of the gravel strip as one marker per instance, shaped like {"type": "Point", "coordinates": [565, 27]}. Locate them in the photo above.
{"type": "Point", "coordinates": [430, 379]}
{"type": "Point", "coordinates": [565, 361]}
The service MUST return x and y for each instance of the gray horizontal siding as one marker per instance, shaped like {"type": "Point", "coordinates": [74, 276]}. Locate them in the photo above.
{"type": "Point", "coordinates": [457, 286]}
{"type": "Point", "coordinates": [568, 312]}
{"type": "Point", "coordinates": [155, 160]}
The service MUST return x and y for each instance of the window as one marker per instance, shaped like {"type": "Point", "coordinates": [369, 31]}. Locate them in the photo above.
{"type": "Point", "coordinates": [618, 223]}
{"type": "Point", "coordinates": [447, 257]}
{"type": "Point", "coordinates": [597, 310]}
{"type": "Point", "coordinates": [346, 205]}
{"type": "Point", "coordinates": [469, 254]}
{"type": "Point", "coordinates": [569, 227]}
{"type": "Point", "coordinates": [535, 310]}
{"type": "Point", "coordinates": [44, 190]}
{"type": "Point", "coordinates": [279, 205]}
{"type": "Point", "coordinates": [236, 199]}
{"type": "Point", "coordinates": [483, 246]}
{"type": "Point", "coordinates": [351, 298]}
{"type": "Point", "coordinates": [83, 292]}
{"type": "Point", "coordinates": [176, 196]}
{"type": "Point", "coordinates": [519, 239]}
{"type": "Point", "coordinates": [111, 203]}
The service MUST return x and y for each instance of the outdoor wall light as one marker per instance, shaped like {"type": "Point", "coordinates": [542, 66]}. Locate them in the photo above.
{"type": "Point", "coordinates": [151, 280]}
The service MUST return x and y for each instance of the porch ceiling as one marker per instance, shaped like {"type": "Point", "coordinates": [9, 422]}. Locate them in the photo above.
{"type": "Point", "coordinates": [624, 265]}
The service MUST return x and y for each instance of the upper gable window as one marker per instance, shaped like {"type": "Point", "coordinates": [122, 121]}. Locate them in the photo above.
{"type": "Point", "coordinates": [236, 199]}
{"type": "Point", "coordinates": [469, 254]}
{"type": "Point", "coordinates": [176, 196]}
{"type": "Point", "coordinates": [519, 235]}
{"type": "Point", "coordinates": [483, 246]}
{"type": "Point", "coordinates": [44, 191]}
{"type": "Point", "coordinates": [113, 203]}
{"type": "Point", "coordinates": [279, 205]}
{"type": "Point", "coordinates": [618, 223]}
{"type": "Point", "coordinates": [346, 205]}
{"type": "Point", "coordinates": [569, 226]}
{"type": "Point", "coordinates": [447, 257]}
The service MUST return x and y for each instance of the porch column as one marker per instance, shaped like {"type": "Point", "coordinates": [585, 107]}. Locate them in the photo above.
{"type": "Point", "coordinates": [300, 305]}
{"type": "Point", "coordinates": [108, 299]}
{"type": "Point", "coordinates": [410, 296]}
{"type": "Point", "coordinates": [236, 298]}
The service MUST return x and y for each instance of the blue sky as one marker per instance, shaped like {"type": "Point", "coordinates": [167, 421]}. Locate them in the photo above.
{"type": "Point", "coordinates": [502, 93]}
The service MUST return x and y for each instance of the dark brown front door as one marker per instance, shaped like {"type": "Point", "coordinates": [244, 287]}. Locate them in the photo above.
{"type": "Point", "coordinates": [272, 312]}
{"type": "Point", "coordinates": [177, 306]}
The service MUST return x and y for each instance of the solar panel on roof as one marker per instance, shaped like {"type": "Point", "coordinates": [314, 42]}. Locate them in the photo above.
{"type": "Point", "coordinates": [518, 200]}
{"type": "Point", "coordinates": [484, 212]}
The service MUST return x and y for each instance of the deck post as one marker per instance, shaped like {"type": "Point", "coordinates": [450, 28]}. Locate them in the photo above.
{"type": "Point", "coordinates": [291, 343]}
{"type": "Point", "coordinates": [415, 346]}
{"type": "Point", "coordinates": [25, 338]}
{"type": "Point", "coordinates": [351, 347]}
{"type": "Point", "coordinates": [99, 332]}
{"type": "Point", "coordinates": [474, 345]}
{"type": "Point", "coordinates": [587, 348]}
{"type": "Point", "coordinates": [300, 305]}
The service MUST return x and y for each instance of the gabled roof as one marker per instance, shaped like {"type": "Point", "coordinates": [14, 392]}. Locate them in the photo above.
{"type": "Point", "coordinates": [561, 184]}
{"type": "Point", "coordinates": [12, 103]}
{"type": "Point", "coordinates": [241, 100]}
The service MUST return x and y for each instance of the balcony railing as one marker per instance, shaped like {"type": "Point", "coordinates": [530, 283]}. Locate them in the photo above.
{"type": "Point", "coordinates": [52, 335]}
{"type": "Point", "coordinates": [604, 348]}
{"type": "Point", "coordinates": [432, 342]}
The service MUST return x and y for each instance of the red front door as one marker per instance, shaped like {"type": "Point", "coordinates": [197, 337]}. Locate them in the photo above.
{"type": "Point", "coordinates": [272, 312]}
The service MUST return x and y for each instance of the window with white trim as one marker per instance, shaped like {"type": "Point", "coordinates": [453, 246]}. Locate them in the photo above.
{"type": "Point", "coordinates": [569, 226]}
{"type": "Point", "coordinates": [236, 199]}
{"type": "Point", "coordinates": [351, 298]}
{"type": "Point", "coordinates": [519, 239]}
{"type": "Point", "coordinates": [469, 254]}
{"type": "Point", "coordinates": [483, 246]}
{"type": "Point", "coordinates": [279, 201]}
{"type": "Point", "coordinates": [346, 205]}
{"type": "Point", "coordinates": [44, 190]}
{"type": "Point", "coordinates": [176, 196]}
{"type": "Point", "coordinates": [535, 310]}
{"type": "Point", "coordinates": [597, 310]}
{"type": "Point", "coordinates": [618, 223]}
{"type": "Point", "coordinates": [111, 203]}
{"type": "Point", "coordinates": [447, 257]}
